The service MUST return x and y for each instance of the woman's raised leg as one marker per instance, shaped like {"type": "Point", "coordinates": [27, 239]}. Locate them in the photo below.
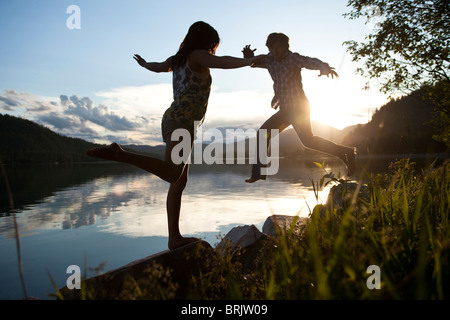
{"type": "Point", "coordinates": [166, 170]}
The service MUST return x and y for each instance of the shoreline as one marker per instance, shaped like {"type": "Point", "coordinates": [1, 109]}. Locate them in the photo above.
{"type": "Point", "coordinates": [312, 157]}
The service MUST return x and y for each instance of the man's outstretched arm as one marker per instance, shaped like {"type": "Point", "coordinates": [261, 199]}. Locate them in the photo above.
{"type": "Point", "coordinates": [315, 64]}
{"type": "Point", "coordinates": [250, 53]}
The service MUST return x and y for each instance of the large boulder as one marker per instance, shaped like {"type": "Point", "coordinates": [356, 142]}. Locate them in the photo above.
{"type": "Point", "coordinates": [277, 225]}
{"type": "Point", "coordinates": [243, 244]}
{"type": "Point", "coordinates": [239, 238]}
{"type": "Point", "coordinates": [166, 275]}
{"type": "Point", "coordinates": [346, 194]}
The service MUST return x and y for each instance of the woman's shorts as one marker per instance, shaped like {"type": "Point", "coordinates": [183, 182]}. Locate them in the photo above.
{"type": "Point", "coordinates": [169, 126]}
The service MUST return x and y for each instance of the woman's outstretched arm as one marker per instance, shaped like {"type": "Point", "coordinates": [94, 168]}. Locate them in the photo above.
{"type": "Point", "coordinates": [154, 66]}
{"type": "Point", "coordinates": [207, 60]}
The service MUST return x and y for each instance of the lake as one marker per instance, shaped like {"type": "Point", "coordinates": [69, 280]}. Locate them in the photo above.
{"type": "Point", "coordinates": [106, 215]}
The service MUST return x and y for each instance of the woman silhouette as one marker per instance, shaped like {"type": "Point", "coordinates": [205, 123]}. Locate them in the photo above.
{"type": "Point", "coordinates": [191, 88]}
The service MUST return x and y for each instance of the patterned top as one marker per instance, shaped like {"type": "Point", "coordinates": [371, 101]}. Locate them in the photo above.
{"type": "Point", "coordinates": [190, 96]}
{"type": "Point", "coordinates": [287, 78]}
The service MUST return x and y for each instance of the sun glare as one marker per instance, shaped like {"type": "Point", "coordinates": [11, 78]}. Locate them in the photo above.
{"type": "Point", "coordinates": [334, 103]}
{"type": "Point", "coordinates": [334, 112]}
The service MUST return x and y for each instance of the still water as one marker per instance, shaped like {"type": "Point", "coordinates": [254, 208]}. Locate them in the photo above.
{"type": "Point", "coordinates": [111, 214]}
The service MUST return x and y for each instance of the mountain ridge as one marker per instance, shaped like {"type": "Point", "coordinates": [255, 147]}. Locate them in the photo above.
{"type": "Point", "coordinates": [25, 141]}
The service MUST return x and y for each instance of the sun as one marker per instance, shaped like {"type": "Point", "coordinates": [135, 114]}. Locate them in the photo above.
{"type": "Point", "coordinates": [330, 111]}
{"type": "Point", "coordinates": [337, 103]}
{"type": "Point", "coordinates": [342, 102]}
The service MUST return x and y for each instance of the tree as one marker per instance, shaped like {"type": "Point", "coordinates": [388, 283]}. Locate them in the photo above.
{"type": "Point", "coordinates": [407, 50]}
{"type": "Point", "coordinates": [410, 45]}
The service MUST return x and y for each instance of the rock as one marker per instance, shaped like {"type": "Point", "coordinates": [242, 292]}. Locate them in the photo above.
{"type": "Point", "coordinates": [164, 275]}
{"type": "Point", "coordinates": [240, 237]}
{"type": "Point", "coordinates": [243, 244]}
{"type": "Point", "coordinates": [281, 224]}
{"type": "Point", "coordinates": [343, 194]}
{"type": "Point", "coordinates": [347, 194]}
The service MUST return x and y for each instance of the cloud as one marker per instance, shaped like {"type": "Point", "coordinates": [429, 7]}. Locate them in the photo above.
{"type": "Point", "coordinates": [77, 117]}
{"type": "Point", "coordinates": [245, 109]}
{"type": "Point", "coordinates": [8, 102]}
{"type": "Point", "coordinates": [57, 121]}
{"type": "Point", "coordinates": [13, 100]}
{"type": "Point", "coordinates": [84, 110]}
{"type": "Point", "coordinates": [151, 99]}
{"type": "Point", "coordinates": [132, 115]}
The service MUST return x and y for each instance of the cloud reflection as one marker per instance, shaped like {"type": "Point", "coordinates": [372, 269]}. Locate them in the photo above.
{"type": "Point", "coordinates": [134, 204]}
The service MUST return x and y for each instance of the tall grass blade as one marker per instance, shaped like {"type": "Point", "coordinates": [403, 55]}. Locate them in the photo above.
{"type": "Point", "coordinates": [58, 293]}
{"type": "Point", "coordinates": [16, 229]}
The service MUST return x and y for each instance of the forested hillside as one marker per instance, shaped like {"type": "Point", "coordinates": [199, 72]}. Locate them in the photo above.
{"type": "Point", "coordinates": [24, 141]}
{"type": "Point", "coordinates": [402, 126]}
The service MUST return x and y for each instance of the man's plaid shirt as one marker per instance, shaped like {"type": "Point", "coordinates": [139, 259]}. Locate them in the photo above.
{"type": "Point", "coordinates": [287, 78]}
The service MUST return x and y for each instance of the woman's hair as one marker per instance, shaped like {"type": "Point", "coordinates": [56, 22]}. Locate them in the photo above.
{"type": "Point", "coordinates": [200, 36]}
{"type": "Point", "coordinates": [280, 38]}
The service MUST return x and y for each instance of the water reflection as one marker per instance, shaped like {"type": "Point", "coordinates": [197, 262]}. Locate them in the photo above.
{"type": "Point", "coordinates": [89, 215]}
{"type": "Point", "coordinates": [114, 214]}
{"type": "Point", "coordinates": [124, 200]}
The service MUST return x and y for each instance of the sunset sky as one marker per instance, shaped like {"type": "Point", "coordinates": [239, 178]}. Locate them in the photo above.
{"type": "Point", "coordinates": [84, 82]}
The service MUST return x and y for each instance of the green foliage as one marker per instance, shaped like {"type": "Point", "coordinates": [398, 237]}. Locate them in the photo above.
{"type": "Point", "coordinates": [402, 225]}
{"type": "Point", "coordinates": [439, 96]}
{"type": "Point", "coordinates": [410, 49]}
{"type": "Point", "coordinates": [410, 46]}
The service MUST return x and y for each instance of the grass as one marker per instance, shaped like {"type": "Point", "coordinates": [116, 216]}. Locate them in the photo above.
{"type": "Point", "coordinates": [397, 223]}
{"type": "Point", "coordinates": [400, 224]}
